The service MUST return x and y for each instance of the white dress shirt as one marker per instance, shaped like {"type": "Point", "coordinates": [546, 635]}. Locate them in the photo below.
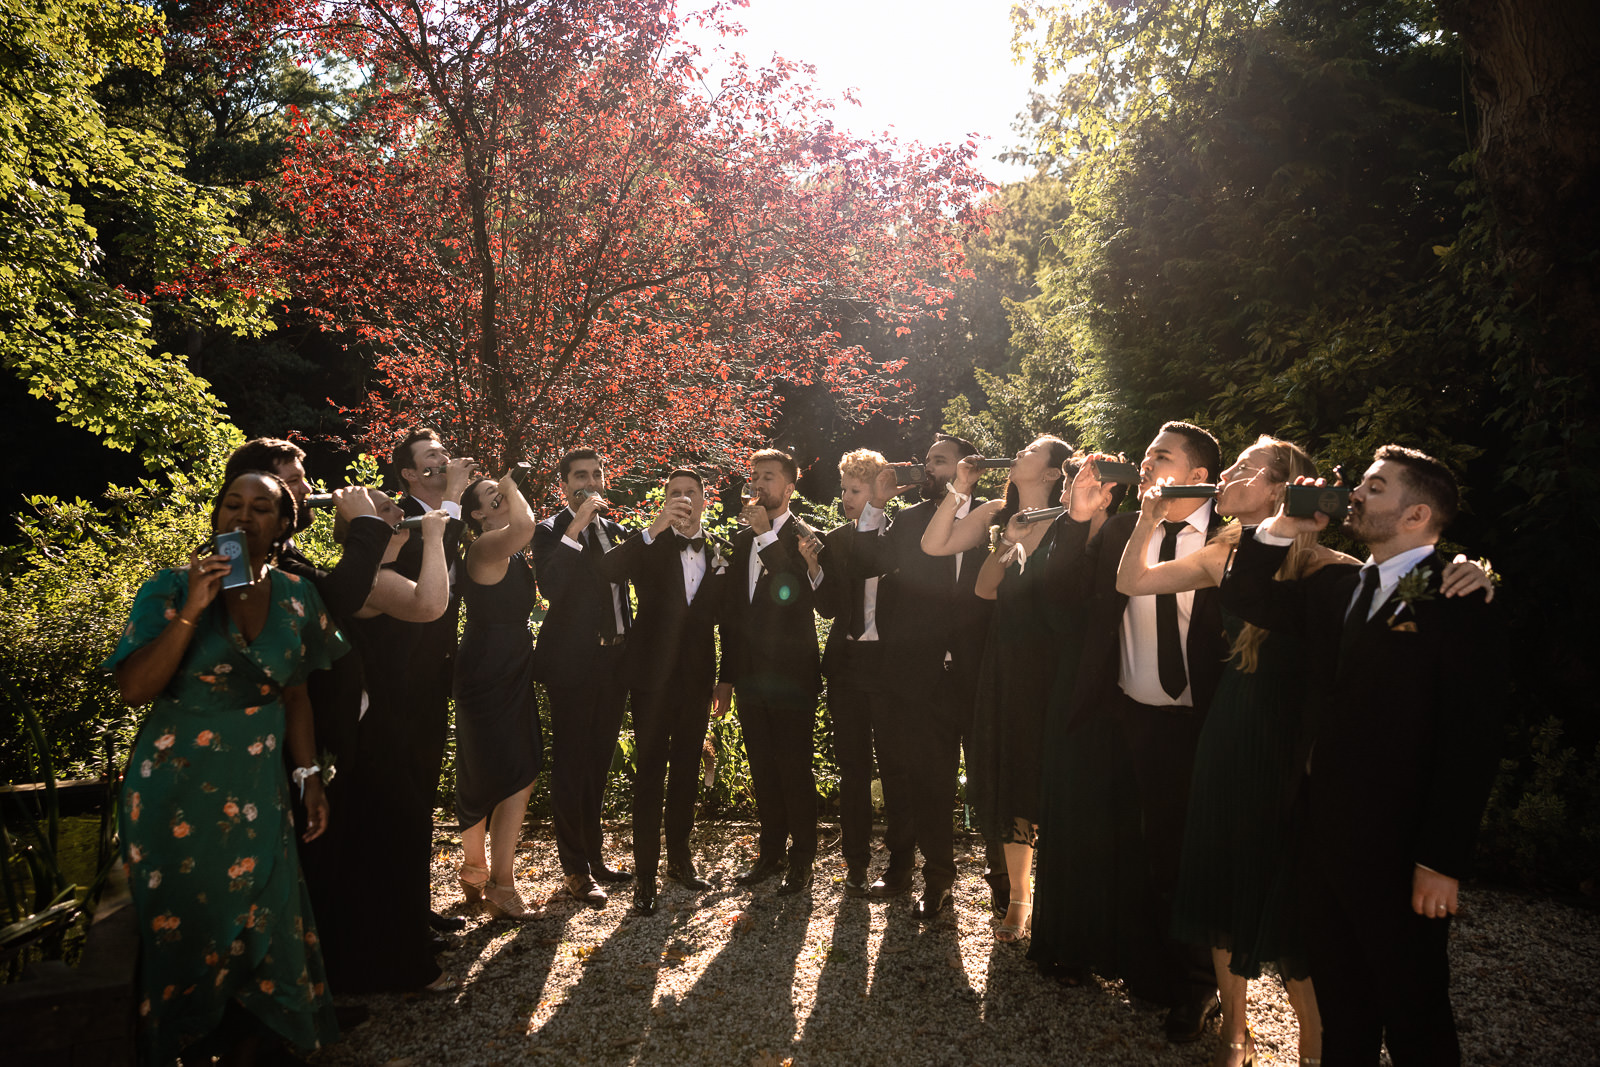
{"type": "Point", "coordinates": [604, 543]}
{"type": "Point", "coordinates": [762, 541]}
{"type": "Point", "coordinates": [693, 560]}
{"type": "Point", "coordinates": [1141, 671]}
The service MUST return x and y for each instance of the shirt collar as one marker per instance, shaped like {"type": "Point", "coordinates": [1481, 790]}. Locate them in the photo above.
{"type": "Point", "coordinates": [1201, 517]}
{"type": "Point", "coordinates": [1396, 567]}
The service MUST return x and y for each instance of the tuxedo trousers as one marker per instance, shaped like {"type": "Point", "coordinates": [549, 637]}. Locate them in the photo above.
{"type": "Point", "coordinates": [1382, 972]}
{"type": "Point", "coordinates": [777, 740]}
{"type": "Point", "coordinates": [584, 721]}
{"type": "Point", "coordinates": [669, 730]}
{"type": "Point", "coordinates": [953, 716]}
{"type": "Point", "coordinates": [866, 726]}
{"type": "Point", "coordinates": [1161, 743]}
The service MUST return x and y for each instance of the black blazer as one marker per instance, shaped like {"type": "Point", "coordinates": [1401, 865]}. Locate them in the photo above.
{"type": "Point", "coordinates": [837, 596]}
{"type": "Point", "coordinates": [345, 588]}
{"type": "Point", "coordinates": [581, 608]}
{"type": "Point", "coordinates": [670, 633]}
{"type": "Point", "coordinates": [924, 609]}
{"type": "Point", "coordinates": [436, 640]}
{"type": "Point", "coordinates": [769, 644]}
{"type": "Point", "coordinates": [1083, 571]}
{"type": "Point", "coordinates": [1404, 733]}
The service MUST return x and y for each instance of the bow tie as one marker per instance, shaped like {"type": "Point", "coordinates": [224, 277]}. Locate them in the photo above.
{"type": "Point", "coordinates": [686, 544]}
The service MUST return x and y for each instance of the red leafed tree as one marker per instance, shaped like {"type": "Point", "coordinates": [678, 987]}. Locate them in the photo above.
{"type": "Point", "coordinates": [551, 232]}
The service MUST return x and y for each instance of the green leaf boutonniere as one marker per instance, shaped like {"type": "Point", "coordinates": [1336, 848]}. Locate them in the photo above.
{"type": "Point", "coordinates": [1413, 588]}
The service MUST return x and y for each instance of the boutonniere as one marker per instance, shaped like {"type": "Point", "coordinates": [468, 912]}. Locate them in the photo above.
{"type": "Point", "coordinates": [1412, 589]}
{"type": "Point", "coordinates": [719, 562]}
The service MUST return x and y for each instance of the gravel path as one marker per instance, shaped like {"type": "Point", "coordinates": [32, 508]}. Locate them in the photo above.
{"type": "Point", "coordinates": [735, 977]}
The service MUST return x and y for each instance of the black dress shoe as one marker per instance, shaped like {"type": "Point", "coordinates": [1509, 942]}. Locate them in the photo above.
{"type": "Point", "coordinates": [644, 897]}
{"type": "Point", "coordinates": [760, 871]}
{"type": "Point", "coordinates": [582, 888]}
{"type": "Point", "coordinates": [608, 876]}
{"type": "Point", "coordinates": [892, 884]}
{"type": "Point", "coordinates": [437, 942]}
{"type": "Point", "coordinates": [855, 882]}
{"type": "Point", "coordinates": [446, 924]}
{"type": "Point", "coordinates": [797, 879]}
{"type": "Point", "coordinates": [932, 903]}
{"type": "Point", "coordinates": [1186, 1022]}
{"type": "Point", "coordinates": [684, 874]}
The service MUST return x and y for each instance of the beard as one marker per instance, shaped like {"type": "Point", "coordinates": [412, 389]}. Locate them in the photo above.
{"type": "Point", "coordinates": [933, 489]}
{"type": "Point", "coordinates": [1369, 530]}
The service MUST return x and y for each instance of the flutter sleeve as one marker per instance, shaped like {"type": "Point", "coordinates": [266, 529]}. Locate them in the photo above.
{"type": "Point", "coordinates": [320, 640]}
{"type": "Point", "coordinates": [155, 605]}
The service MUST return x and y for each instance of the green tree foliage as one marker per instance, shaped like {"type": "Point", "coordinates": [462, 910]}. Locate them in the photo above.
{"type": "Point", "coordinates": [76, 336]}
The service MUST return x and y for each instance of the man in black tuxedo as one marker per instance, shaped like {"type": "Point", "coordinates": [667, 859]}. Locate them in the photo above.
{"type": "Point", "coordinates": [863, 689]}
{"type": "Point", "coordinates": [933, 628]}
{"type": "Point", "coordinates": [677, 573]}
{"type": "Point", "coordinates": [1152, 663]}
{"type": "Point", "coordinates": [1400, 755]}
{"type": "Point", "coordinates": [580, 657]}
{"type": "Point", "coordinates": [769, 661]}
{"type": "Point", "coordinates": [433, 481]}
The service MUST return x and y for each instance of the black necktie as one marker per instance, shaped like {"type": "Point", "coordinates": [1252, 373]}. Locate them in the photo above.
{"type": "Point", "coordinates": [1357, 618]}
{"type": "Point", "coordinates": [686, 544]}
{"type": "Point", "coordinates": [1169, 645]}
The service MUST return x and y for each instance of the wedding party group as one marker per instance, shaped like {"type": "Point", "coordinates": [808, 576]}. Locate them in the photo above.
{"type": "Point", "coordinates": [1199, 742]}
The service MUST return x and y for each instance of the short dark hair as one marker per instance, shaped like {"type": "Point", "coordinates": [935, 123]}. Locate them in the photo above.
{"type": "Point", "coordinates": [403, 458]}
{"type": "Point", "coordinates": [1427, 481]}
{"type": "Point", "coordinates": [261, 454]}
{"type": "Point", "coordinates": [684, 472]}
{"type": "Point", "coordinates": [964, 447]}
{"type": "Point", "coordinates": [564, 468]}
{"type": "Point", "coordinates": [791, 469]}
{"type": "Point", "coordinates": [1202, 448]}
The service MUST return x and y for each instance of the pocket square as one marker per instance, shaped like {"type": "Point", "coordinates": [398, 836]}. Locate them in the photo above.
{"type": "Point", "coordinates": [1406, 627]}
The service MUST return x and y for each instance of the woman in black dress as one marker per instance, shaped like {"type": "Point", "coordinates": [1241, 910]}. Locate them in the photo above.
{"type": "Point", "coordinates": [378, 940]}
{"type": "Point", "coordinates": [499, 747]}
{"type": "Point", "coordinates": [1019, 660]}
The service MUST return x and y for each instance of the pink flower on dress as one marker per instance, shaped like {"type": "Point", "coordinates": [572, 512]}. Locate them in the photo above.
{"type": "Point", "coordinates": [271, 742]}
{"type": "Point", "coordinates": [230, 809]}
{"type": "Point", "coordinates": [266, 985]}
{"type": "Point", "coordinates": [169, 615]}
{"type": "Point", "coordinates": [222, 668]}
{"type": "Point", "coordinates": [181, 830]}
{"type": "Point", "coordinates": [297, 607]}
{"type": "Point", "coordinates": [255, 749]}
{"type": "Point", "coordinates": [165, 741]}
{"type": "Point", "coordinates": [204, 738]}
{"type": "Point", "coordinates": [250, 813]}
{"type": "Point", "coordinates": [251, 711]}
{"type": "Point", "coordinates": [135, 854]}
{"type": "Point", "coordinates": [155, 879]}
{"type": "Point", "coordinates": [146, 769]}
{"type": "Point", "coordinates": [135, 805]}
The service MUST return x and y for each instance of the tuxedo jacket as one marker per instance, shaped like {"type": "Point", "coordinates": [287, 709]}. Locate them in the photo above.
{"type": "Point", "coordinates": [345, 588]}
{"type": "Point", "coordinates": [1404, 733]}
{"type": "Point", "coordinates": [671, 633]}
{"type": "Point", "coordinates": [924, 608]}
{"type": "Point", "coordinates": [769, 643]}
{"type": "Point", "coordinates": [840, 596]}
{"type": "Point", "coordinates": [436, 640]}
{"type": "Point", "coordinates": [581, 608]}
{"type": "Point", "coordinates": [1082, 571]}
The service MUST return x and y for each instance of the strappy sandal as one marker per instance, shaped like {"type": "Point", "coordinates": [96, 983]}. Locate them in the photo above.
{"type": "Point", "coordinates": [504, 902]}
{"type": "Point", "coordinates": [1007, 934]}
{"type": "Point", "coordinates": [472, 878]}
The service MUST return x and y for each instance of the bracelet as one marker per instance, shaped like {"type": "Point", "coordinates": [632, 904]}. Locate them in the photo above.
{"type": "Point", "coordinates": [301, 774]}
{"type": "Point", "coordinates": [186, 622]}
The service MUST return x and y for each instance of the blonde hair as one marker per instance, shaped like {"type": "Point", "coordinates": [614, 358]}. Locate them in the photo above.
{"type": "Point", "coordinates": [863, 465]}
{"type": "Point", "coordinates": [1286, 461]}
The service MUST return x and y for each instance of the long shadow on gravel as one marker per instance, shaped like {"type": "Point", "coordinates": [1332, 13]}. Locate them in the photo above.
{"type": "Point", "coordinates": [833, 1029]}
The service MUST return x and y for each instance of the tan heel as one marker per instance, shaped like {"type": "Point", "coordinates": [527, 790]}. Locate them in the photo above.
{"type": "Point", "coordinates": [472, 878]}
{"type": "Point", "coordinates": [1008, 934]}
{"type": "Point", "coordinates": [1247, 1046]}
{"type": "Point", "coordinates": [504, 902]}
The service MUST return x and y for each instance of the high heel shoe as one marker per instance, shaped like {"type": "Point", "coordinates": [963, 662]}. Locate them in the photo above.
{"type": "Point", "coordinates": [1008, 934]}
{"type": "Point", "coordinates": [503, 902]}
{"type": "Point", "coordinates": [472, 878]}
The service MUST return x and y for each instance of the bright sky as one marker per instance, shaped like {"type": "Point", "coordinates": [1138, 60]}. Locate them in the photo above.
{"type": "Point", "coordinates": [934, 71]}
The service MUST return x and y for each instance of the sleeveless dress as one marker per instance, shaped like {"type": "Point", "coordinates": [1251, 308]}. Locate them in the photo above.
{"type": "Point", "coordinates": [1014, 684]}
{"type": "Point", "coordinates": [208, 837]}
{"type": "Point", "coordinates": [499, 744]}
{"type": "Point", "coordinates": [1235, 888]}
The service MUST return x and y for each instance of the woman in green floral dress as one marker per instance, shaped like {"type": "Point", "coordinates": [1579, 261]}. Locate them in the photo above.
{"type": "Point", "coordinates": [207, 834]}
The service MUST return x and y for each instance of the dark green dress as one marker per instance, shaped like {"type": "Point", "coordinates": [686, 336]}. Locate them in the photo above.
{"type": "Point", "coordinates": [207, 834]}
{"type": "Point", "coordinates": [1235, 889]}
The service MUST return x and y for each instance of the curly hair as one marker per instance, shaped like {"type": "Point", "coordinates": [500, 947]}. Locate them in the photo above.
{"type": "Point", "coordinates": [863, 465]}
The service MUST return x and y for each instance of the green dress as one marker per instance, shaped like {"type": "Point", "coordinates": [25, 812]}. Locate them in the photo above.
{"type": "Point", "coordinates": [207, 832]}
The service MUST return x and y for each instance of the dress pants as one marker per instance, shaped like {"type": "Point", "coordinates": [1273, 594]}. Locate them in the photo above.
{"type": "Point", "coordinates": [669, 729]}
{"type": "Point", "coordinates": [956, 697]}
{"type": "Point", "coordinates": [777, 739]}
{"type": "Point", "coordinates": [584, 721]}
{"type": "Point", "coordinates": [1382, 972]}
{"type": "Point", "coordinates": [863, 714]}
{"type": "Point", "coordinates": [1161, 742]}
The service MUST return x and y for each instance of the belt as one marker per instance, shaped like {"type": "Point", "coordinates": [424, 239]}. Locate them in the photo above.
{"type": "Point", "coordinates": [610, 642]}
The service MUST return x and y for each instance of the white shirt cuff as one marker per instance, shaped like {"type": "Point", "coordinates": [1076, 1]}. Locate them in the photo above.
{"type": "Point", "coordinates": [451, 508]}
{"type": "Point", "coordinates": [571, 543]}
{"type": "Point", "coordinates": [765, 539]}
{"type": "Point", "coordinates": [648, 539]}
{"type": "Point", "coordinates": [817, 580]}
{"type": "Point", "coordinates": [1276, 540]}
{"type": "Point", "coordinates": [871, 518]}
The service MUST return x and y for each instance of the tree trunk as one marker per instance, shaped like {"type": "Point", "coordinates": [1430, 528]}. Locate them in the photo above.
{"type": "Point", "coordinates": [1536, 82]}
